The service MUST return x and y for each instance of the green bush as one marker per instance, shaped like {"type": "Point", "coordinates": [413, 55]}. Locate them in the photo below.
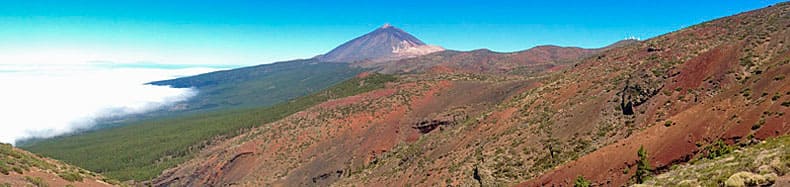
{"type": "Point", "coordinates": [759, 124]}
{"type": "Point", "coordinates": [4, 168]}
{"type": "Point", "coordinates": [718, 149]}
{"type": "Point", "coordinates": [112, 181]}
{"type": "Point", "coordinates": [746, 92]}
{"type": "Point", "coordinates": [71, 176]}
{"type": "Point", "coordinates": [19, 170]}
{"type": "Point", "coordinates": [668, 123]}
{"type": "Point", "coordinates": [37, 181]}
{"type": "Point", "coordinates": [581, 182]}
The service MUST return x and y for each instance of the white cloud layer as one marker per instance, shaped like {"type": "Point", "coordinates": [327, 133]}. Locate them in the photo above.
{"type": "Point", "coordinates": [48, 100]}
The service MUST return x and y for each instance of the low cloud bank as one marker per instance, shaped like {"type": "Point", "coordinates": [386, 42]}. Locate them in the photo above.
{"type": "Point", "coordinates": [41, 101]}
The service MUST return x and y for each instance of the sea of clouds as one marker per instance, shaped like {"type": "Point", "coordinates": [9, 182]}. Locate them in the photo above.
{"type": "Point", "coordinates": [40, 100]}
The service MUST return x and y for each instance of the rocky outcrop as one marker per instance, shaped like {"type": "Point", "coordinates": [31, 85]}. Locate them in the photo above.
{"type": "Point", "coordinates": [636, 92]}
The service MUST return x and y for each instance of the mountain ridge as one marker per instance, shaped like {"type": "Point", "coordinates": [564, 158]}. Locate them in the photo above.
{"type": "Point", "coordinates": [538, 59]}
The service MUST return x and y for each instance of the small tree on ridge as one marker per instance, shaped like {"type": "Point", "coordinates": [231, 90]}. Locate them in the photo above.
{"type": "Point", "coordinates": [642, 166]}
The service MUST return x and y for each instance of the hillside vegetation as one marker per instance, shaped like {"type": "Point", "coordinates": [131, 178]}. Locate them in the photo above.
{"type": "Point", "coordinates": [768, 159]}
{"type": "Point", "coordinates": [141, 151]}
{"type": "Point", "coordinates": [255, 86]}
{"type": "Point", "coordinates": [20, 168]}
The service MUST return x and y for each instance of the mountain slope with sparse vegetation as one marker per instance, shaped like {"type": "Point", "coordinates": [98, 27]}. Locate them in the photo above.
{"type": "Point", "coordinates": [21, 168]}
{"type": "Point", "coordinates": [617, 117]}
{"type": "Point", "coordinates": [767, 159]}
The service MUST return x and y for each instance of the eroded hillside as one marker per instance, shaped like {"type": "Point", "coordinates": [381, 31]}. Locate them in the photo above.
{"type": "Point", "coordinates": [340, 137]}
{"type": "Point", "coordinates": [720, 80]}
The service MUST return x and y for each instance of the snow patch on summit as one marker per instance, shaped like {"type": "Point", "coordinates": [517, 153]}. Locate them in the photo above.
{"type": "Point", "coordinates": [407, 49]}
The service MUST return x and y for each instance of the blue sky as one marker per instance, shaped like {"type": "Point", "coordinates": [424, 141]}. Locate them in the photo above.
{"type": "Point", "coordinates": [254, 32]}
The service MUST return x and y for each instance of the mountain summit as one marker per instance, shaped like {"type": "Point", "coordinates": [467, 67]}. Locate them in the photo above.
{"type": "Point", "coordinates": [385, 43]}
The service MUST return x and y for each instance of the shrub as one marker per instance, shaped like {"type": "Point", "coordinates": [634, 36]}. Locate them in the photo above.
{"type": "Point", "coordinates": [71, 176]}
{"type": "Point", "coordinates": [112, 181]}
{"type": "Point", "coordinates": [758, 124]}
{"type": "Point", "coordinates": [4, 168]}
{"type": "Point", "coordinates": [581, 182]}
{"type": "Point", "coordinates": [718, 149]}
{"type": "Point", "coordinates": [37, 181]}
{"type": "Point", "coordinates": [19, 170]}
{"type": "Point", "coordinates": [746, 92]}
